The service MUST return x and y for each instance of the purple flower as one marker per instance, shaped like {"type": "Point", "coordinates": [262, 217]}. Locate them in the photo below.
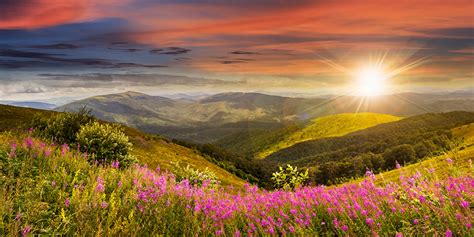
{"type": "Point", "coordinates": [449, 160]}
{"type": "Point", "coordinates": [399, 234]}
{"type": "Point", "coordinates": [104, 205]}
{"type": "Point", "coordinates": [67, 202]}
{"type": "Point", "coordinates": [100, 185]}
{"type": "Point", "coordinates": [26, 230]}
{"type": "Point", "coordinates": [448, 233]}
{"type": "Point", "coordinates": [64, 149]}
{"type": "Point", "coordinates": [18, 216]}
{"type": "Point", "coordinates": [345, 228]}
{"type": "Point", "coordinates": [29, 142]}
{"type": "Point", "coordinates": [464, 204]}
{"type": "Point", "coordinates": [397, 165]}
{"type": "Point", "coordinates": [422, 198]}
{"type": "Point", "coordinates": [416, 221]}
{"type": "Point", "coordinates": [47, 152]}
{"type": "Point", "coordinates": [369, 221]}
{"type": "Point", "coordinates": [115, 164]}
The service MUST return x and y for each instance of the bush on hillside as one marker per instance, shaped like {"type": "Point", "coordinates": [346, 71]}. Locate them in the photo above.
{"type": "Point", "coordinates": [62, 127]}
{"type": "Point", "coordinates": [194, 176]}
{"type": "Point", "coordinates": [289, 178]}
{"type": "Point", "coordinates": [105, 143]}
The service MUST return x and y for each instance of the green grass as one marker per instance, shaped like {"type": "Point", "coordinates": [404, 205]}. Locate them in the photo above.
{"type": "Point", "coordinates": [163, 153]}
{"type": "Point", "coordinates": [330, 126]}
{"type": "Point", "coordinates": [48, 190]}
{"type": "Point", "coordinates": [151, 150]}
{"type": "Point", "coordinates": [439, 166]}
{"type": "Point", "coordinates": [12, 117]}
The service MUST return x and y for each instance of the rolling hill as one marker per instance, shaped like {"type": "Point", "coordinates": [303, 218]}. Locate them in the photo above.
{"type": "Point", "coordinates": [214, 117]}
{"type": "Point", "coordinates": [454, 162]}
{"type": "Point", "coordinates": [153, 151]}
{"type": "Point", "coordinates": [30, 104]}
{"type": "Point", "coordinates": [329, 126]}
{"type": "Point", "coordinates": [378, 148]}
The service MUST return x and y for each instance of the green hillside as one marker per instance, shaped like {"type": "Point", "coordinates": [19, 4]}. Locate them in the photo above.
{"type": "Point", "coordinates": [330, 126]}
{"type": "Point", "coordinates": [458, 160]}
{"type": "Point", "coordinates": [153, 151]}
{"type": "Point", "coordinates": [337, 159]}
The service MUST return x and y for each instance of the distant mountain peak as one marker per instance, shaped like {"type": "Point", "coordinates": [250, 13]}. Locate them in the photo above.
{"type": "Point", "coordinates": [132, 94]}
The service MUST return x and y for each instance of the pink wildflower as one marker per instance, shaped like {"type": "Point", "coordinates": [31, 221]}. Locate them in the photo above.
{"type": "Point", "coordinates": [369, 221]}
{"type": "Point", "coordinates": [448, 233]}
{"type": "Point", "coordinates": [26, 230]}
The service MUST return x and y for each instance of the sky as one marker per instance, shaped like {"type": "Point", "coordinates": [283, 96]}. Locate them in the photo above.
{"type": "Point", "coordinates": [53, 49]}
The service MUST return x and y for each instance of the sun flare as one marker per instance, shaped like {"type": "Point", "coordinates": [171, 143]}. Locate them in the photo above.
{"type": "Point", "coordinates": [370, 81]}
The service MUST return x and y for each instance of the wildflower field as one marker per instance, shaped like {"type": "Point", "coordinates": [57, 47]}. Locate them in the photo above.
{"type": "Point", "coordinates": [52, 189]}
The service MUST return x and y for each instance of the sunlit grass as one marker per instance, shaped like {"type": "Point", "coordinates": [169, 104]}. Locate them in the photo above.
{"type": "Point", "coordinates": [53, 190]}
{"type": "Point", "coordinates": [330, 126]}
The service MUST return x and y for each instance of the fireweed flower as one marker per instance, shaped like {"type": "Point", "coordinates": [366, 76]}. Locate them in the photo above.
{"type": "Point", "coordinates": [100, 185]}
{"type": "Point", "coordinates": [64, 148]}
{"type": "Point", "coordinates": [28, 142]}
{"type": "Point", "coordinates": [115, 164]}
{"type": "Point", "coordinates": [397, 165]}
{"type": "Point", "coordinates": [67, 202]}
{"type": "Point", "coordinates": [18, 216]}
{"type": "Point", "coordinates": [369, 221]}
{"type": "Point", "coordinates": [13, 148]}
{"type": "Point", "coordinates": [26, 230]}
{"type": "Point", "coordinates": [104, 205]}
{"type": "Point", "coordinates": [448, 233]}
{"type": "Point", "coordinates": [449, 160]}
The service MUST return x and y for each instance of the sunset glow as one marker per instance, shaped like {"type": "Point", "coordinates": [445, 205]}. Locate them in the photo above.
{"type": "Point", "coordinates": [371, 82]}
{"type": "Point", "coordinates": [278, 47]}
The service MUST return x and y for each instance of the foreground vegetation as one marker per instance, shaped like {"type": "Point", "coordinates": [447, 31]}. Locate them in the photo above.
{"type": "Point", "coordinates": [53, 189]}
{"type": "Point", "coordinates": [152, 150]}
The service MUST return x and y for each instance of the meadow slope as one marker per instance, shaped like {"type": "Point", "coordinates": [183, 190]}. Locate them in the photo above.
{"type": "Point", "coordinates": [329, 126]}
{"type": "Point", "coordinates": [151, 150]}
{"type": "Point", "coordinates": [48, 189]}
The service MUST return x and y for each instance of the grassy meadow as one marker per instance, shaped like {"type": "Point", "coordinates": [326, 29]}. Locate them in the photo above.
{"type": "Point", "coordinates": [52, 189]}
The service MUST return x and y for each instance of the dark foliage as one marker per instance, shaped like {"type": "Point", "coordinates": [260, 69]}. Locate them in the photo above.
{"type": "Point", "coordinates": [378, 148]}
{"type": "Point", "coordinates": [254, 171]}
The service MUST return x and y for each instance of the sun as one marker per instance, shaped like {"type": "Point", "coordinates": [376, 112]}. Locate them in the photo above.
{"type": "Point", "coordinates": [370, 81]}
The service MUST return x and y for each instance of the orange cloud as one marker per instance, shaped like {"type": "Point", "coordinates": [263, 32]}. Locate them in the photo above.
{"type": "Point", "coordinates": [29, 14]}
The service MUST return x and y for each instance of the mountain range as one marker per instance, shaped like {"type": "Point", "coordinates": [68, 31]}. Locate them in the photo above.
{"type": "Point", "coordinates": [212, 118]}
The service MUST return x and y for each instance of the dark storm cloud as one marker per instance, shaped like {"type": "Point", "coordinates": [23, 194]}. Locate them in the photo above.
{"type": "Point", "coordinates": [47, 59]}
{"type": "Point", "coordinates": [56, 46]}
{"type": "Point", "coordinates": [170, 51]}
{"type": "Point", "coordinates": [234, 61]}
{"type": "Point", "coordinates": [243, 52]}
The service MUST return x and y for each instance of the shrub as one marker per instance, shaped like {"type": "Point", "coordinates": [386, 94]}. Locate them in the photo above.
{"type": "Point", "coordinates": [62, 127]}
{"type": "Point", "coordinates": [195, 176]}
{"type": "Point", "coordinates": [105, 143]}
{"type": "Point", "coordinates": [289, 178]}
